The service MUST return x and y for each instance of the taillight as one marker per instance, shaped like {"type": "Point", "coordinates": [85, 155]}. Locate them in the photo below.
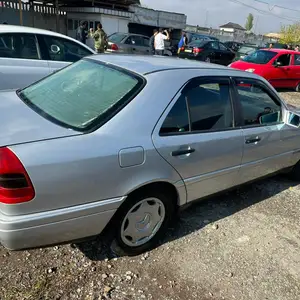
{"type": "Point", "coordinates": [114, 47]}
{"type": "Point", "coordinates": [15, 184]}
{"type": "Point", "coordinates": [197, 50]}
{"type": "Point", "coordinates": [182, 48]}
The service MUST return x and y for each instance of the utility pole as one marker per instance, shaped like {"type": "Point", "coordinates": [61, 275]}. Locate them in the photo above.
{"type": "Point", "coordinates": [21, 12]}
{"type": "Point", "coordinates": [206, 18]}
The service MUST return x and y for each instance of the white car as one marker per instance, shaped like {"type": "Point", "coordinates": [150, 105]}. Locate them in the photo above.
{"type": "Point", "coordinates": [29, 54]}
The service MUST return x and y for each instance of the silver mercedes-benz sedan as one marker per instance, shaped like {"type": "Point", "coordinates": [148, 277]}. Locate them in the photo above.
{"type": "Point", "coordinates": [124, 141]}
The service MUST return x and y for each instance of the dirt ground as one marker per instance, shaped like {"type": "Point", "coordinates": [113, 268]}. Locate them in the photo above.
{"type": "Point", "coordinates": [242, 245]}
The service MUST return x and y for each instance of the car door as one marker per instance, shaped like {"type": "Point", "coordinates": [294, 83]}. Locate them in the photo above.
{"type": "Point", "coordinates": [138, 45]}
{"type": "Point", "coordinates": [295, 69]}
{"type": "Point", "coordinates": [226, 55]}
{"type": "Point", "coordinates": [213, 53]}
{"type": "Point", "coordinates": [20, 61]}
{"type": "Point", "coordinates": [61, 52]}
{"type": "Point", "coordinates": [198, 137]}
{"type": "Point", "coordinates": [146, 48]}
{"type": "Point", "coordinates": [265, 148]}
{"type": "Point", "coordinates": [280, 74]}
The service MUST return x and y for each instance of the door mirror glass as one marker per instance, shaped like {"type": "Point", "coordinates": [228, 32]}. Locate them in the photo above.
{"type": "Point", "coordinates": [278, 64]}
{"type": "Point", "coordinates": [270, 118]}
{"type": "Point", "coordinates": [294, 120]}
{"type": "Point", "coordinates": [55, 49]}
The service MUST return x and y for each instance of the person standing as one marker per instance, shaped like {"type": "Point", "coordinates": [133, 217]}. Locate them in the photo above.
{"type": "Point", "coordinates": [297, 48]}
{"type": "Point", "coordinates": [159, 41]}
{"type": "Point", "coordinates": [183, 42]}
{"type": "Point", "coordinates": [100, 38]}
{"type": "Point", "coordinates": [81, 34]}
{"type": "Point", "coordinates": [151, 42]}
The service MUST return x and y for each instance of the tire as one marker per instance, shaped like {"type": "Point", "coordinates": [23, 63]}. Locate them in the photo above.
{"type": "Point", "coordinates": [298, 88]}
{"type": "Point", "coordinates": [156, 204]}
{"type": "Point", "coordinates": [295, 172]}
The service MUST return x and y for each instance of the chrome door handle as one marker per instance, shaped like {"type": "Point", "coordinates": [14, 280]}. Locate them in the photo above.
{"type": "Point", "coordinates": [253, 140]}
{"type": "Point", "coordinates": [183, 152]}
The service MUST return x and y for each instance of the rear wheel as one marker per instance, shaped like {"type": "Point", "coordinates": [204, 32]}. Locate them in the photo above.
{"type": "Point", "coordinates": [298, 88]}
{"type": "Point", "coordinates": [295, 173]}
{"type": "Point", "coordinates": [141, 222]}
{"type": "Point", "coordinates": [207, 59]}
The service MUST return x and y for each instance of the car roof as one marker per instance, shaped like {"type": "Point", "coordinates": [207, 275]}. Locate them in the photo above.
{"type": "Point", "coordinates": [282, 51]}
{"type": "Point", "coordinates": [146, 64]}
{"type": "Point", "coordinates": [25, 29]}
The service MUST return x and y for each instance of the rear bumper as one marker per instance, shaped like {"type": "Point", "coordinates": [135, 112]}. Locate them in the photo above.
{"type": "Point", "coordinates": [57, 226]}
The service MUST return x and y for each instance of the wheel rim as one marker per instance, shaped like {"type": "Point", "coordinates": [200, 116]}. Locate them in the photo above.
{"type": "Point", "coordinates": [142, 222]}
{"type": "Point", "coordinates": [207, 59]}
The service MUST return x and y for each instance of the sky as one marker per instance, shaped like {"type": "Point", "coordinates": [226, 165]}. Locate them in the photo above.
{"type": "Point", "coordinates": [213, 13]}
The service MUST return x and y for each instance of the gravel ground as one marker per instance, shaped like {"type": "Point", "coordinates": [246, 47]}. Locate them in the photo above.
{"type": "Point", "coordinates": [241, 245]}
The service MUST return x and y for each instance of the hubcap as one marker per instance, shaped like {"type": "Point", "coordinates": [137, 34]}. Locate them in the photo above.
{"type": "Point", "coordinates": [207, 59]}
{"type": "Point", "coordinates": [142, 222]}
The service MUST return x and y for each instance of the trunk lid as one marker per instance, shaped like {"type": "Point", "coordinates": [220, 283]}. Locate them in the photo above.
{"type": "Point", "coordinates": [20, 124]}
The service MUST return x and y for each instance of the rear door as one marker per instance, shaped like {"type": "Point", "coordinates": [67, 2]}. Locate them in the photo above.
{"type": "Point", "coordinates": [197, 135]}
{"type": "Point", "coordinates": [138, 46]}
{"type": "Point", "coordinates": [265, 148]}
{"type": "Point", "coordinates": [295, 67]}
{"type": "Point", "coordinates": [213, 52]}
{"type": "Point", "coordinates": [61, 52]}
{"type": "Point", "coordinates": [21, 62]}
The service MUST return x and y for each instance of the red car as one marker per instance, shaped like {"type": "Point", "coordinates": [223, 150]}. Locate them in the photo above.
{"type": "Point", "coordinates": [280, 67]}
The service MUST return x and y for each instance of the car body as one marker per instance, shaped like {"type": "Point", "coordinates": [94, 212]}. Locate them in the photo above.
{"type": "Point", "coordinates": [104, 160]}
{"type": "Point", "coordinates": [29, 54]}
{"type": "Point", "coordinates": [209, 51]}
{"type": "Point", "coordinates": [235, 46]}
{"type": "Point", "coordinates": [244, 50]}
{"type": "Point", "coordinates": [280, 67]}
{"type": "Point", "coordinates": [128, 43]}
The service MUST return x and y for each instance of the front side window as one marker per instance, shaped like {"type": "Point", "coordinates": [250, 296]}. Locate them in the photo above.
{"type": "Point", "coordinates": [284, 60]}
{"type": "Point", "coordinates": [58, 49]}
{"type": "Point", "coordinates": [258, 106]}
{"type": "Point", "coordinates": [83, 95]}
{"type": "Point", "coordinates": [202, 106]}
{"type": "Point", "coordinates": [260, 57]}
{"type": "Point", "coordinates": [17, 45]}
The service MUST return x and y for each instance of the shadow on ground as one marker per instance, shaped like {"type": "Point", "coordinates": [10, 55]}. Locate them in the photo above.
{"type": "Point", "coordinates": [201, 214]}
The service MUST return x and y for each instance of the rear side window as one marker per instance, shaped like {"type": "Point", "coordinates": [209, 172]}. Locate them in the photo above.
{"type": "Point", "coordinates": [17, 45]}
{"type": "Point", "coordinates": [84, 95]}
{"type": "Point", "coordinates": [297, 60]}
{"type": "Point", "coordinates": [117, 37]}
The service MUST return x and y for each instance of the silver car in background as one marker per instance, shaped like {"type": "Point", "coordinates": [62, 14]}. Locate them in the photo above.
{"type": "Point", "coordinates": [123, 141]}
{"type": "Point", "coordinates": [29, 54]}
{"type": "Point", "coordinates": [128, 43]}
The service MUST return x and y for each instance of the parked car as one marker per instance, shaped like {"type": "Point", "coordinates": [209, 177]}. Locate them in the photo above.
{"type": "Point", "coordinates": [128, 43]}
{"type": "Point", "coordinates": [208, 51]}
{"type": "Point", "coordinates": [29, 54]}
{"type": "Point", "coordinates": [279, 66]}
{"type": "Point", "coordinates": [212, 129]}
{"type": "Point", "coordinates": [235, 46]}
{"type": "Point", "coordinates": [245, 50]}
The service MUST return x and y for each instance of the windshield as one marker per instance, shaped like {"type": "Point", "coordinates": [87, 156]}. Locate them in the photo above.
{"type": "Point", "coordinates": [247, 49]}
{"type": "Point", "coordinates": [260, 57]}
{"type": "Point", "coordinates": [83, 95]}
{"type": "Point", "coordinates": [116, 37]}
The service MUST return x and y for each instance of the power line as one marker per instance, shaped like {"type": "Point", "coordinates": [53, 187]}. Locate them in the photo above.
{"type": "Point", "coordinates": [275, 5]}
{"type": "Point", "coordinates": [264, 11]}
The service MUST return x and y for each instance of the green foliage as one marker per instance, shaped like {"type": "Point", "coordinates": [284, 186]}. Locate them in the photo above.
{"type": "Point", "coordinates": [290, 34]}
{"type": "Point", "coordinates": [249, 22]}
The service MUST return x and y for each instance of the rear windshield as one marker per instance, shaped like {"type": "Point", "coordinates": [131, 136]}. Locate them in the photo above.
{"type": "Point", "coordinates": [260, 57]}
{"type": "Point", "coordinates": [116, 37]}
{"type": "Point", "coordinates": [83, 95]}
{"type": "Point", "coordinates": [247, 49]}
{"type": "Point", "coordinates": [198, 43]}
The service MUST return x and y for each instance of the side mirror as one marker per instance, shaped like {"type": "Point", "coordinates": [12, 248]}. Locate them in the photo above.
{"type": "Point", "coordinates": [55, 49]}
{"type": "Point", "coordinates": [294, 120]}
{"type": "Point", "coordinates": [278, 64]}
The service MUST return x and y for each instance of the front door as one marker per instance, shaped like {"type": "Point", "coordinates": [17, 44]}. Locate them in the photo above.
{"type": "Point", "coordinates": [280, 75]}
{"type": "Point", "coordinates": [20, 61]}
{"type": "Point", "coordinates": [265, 148]}
{"type": "Point", "coordinates": [295, 68]}
{"type": "Point", "coordinates": [197, 136]}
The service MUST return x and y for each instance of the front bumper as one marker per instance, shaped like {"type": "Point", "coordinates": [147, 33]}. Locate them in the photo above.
{"type": "Point", "coordinates": [57, 226]}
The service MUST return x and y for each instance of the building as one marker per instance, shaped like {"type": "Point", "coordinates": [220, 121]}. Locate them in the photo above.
{"type": "Point", "coordinates": [232, 29]}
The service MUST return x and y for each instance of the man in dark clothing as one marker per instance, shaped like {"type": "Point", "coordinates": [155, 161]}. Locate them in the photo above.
{"type": "Point", "coordinates": [81, 33]}
{"type": "Point", "coordinates": [151, 41]}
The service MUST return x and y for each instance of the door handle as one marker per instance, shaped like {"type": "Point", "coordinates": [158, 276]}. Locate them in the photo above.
{"type": "Point", "coordinates": [253, 140]}
{"type": "Point", "coordinates": [183, 152]}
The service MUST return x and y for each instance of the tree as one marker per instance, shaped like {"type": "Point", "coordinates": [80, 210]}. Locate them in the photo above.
{"type": "Point", "coordinates": [249, 22]}
{"type": "Point", "coordinates": [290, 34]}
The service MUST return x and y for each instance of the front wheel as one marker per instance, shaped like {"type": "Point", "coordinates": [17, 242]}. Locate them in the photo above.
{"type": "Point", "coordinates": [298, 88]}
{"type": "Point", "coordinates": [142, 221]}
